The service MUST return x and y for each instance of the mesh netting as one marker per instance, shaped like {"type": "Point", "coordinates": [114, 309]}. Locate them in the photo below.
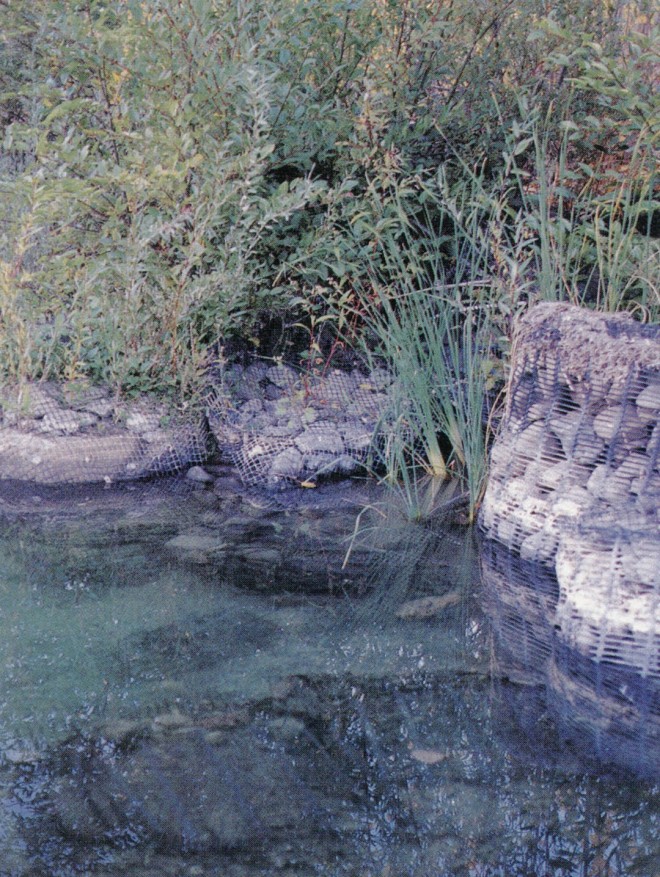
{"type": "Point", "coordinates": [606, 709]}
{"type": "Point", "coordinates": [275, 424]}
{"type": "Point", "coordinates": [75, 433]}
{"type": "Point", "coordinates": [608, 607]}
{"type": "Point", "coordinates": [581, 433]}
{"type": "Point", "coordinates": [574, 491]}
{"type": "Point", "coordinates": [600, 679]}
{"type": "Point", "coordinates": [520, 598]}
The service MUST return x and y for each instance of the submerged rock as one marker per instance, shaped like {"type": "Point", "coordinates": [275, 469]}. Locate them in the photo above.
{"type": "Point", "coordinates": [217, 781]}
{"type": "Point", "coordinates": [199, 475]}
{"type": "Point", "coordinates": [428, 607]}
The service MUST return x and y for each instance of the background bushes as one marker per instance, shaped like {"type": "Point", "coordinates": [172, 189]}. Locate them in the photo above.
{"type": "Point", "coordinates": [176, 173]}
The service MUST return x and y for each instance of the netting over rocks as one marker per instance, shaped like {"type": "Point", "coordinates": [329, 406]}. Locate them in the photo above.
{"type": "Point", "coordinates": [273, 424]}
{"type": "Point", "coordinates": [75, 433]}
{"type": "Point", "coordinates": [581, 433]}
{"type": "Point", "coordinates": [575, 483]}
{"type": "Point", "coordinates": [601, 684]}
{"type": "Point", "coordinates": [608, 571]}
{"type": "Point", "coordinates": [276, 425]}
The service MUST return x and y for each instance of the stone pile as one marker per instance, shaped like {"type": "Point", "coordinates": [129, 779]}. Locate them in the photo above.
{"type": "Point", "coordinates": [75, 433]}
{"type": "Point", "coordinates": [277, 425]}
{"type": "Point", "coordinates": [581, 435]}
{"type": "Point", "coordinates": [274, 425]}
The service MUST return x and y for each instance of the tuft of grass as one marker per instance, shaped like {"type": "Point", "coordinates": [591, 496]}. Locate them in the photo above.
{"type": "Point", "coordinates": [419, 314]}
{"type": "Point", "coordinates": [434, 428]}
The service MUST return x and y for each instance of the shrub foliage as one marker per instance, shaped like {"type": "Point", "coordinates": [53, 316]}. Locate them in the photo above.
{"type": "Point", "coordinates": [173, 171]}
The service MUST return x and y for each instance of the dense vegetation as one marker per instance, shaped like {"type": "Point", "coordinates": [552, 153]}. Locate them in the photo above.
{"type": "Point", "coordinates": [405, 176]}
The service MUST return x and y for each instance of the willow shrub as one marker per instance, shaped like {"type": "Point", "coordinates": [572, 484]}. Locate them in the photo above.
{"type": "Point", "coordinates": [171, 169]}
{"type": "Point", "coordinates": [143, 226]}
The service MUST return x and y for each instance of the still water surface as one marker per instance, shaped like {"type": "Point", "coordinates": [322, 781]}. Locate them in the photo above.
{"type": "Point", "coordinates": [197, 683]}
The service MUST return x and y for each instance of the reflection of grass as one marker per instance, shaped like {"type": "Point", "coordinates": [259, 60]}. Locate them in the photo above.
{"type": "Point", "coordinates": [408, 559]}
{"type": "Point", "coordinates": [417, 500]}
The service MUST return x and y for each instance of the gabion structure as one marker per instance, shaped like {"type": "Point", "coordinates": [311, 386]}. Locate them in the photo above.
{"type": "Point", "coordinates": [600, 685]}
{"type": "Point", "coordinates": [277, 425]}
{"type": "Point", "coordinates": [75, 433]}
{"type": "Point", "coordinates": [574, 498]}
{"type": "Point", "coordinates": [608, 571]}
{"type": "Point", "coordinates": [581, 434]}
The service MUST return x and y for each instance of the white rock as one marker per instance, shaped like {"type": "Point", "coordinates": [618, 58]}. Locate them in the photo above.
{"type": "Point", "coordinates": [648, 403]}
{"type": "Point", "coordinates": [602, 622]}
{"type": "Point", "coordinates": [339, 388]}
{"type": "Point", "coordinates": [283, 376]}
{"type": "Point", "coordinates": [195, 542]}
{"type": "Point", "coordinates": [653, 446]}
{"type": "Point", "coordinates": [529, 443]}
{"type": "Point", "coordinates": [578, 440]}
{"type": "Point", "coordinates": [507, 532]}
{"type": "Point", "coordinates": [557, 476]}
{"type": "Point", "coordinates": [322, 437]}
{"type": "Point", "coordinates": [379, 379]}
{"type": "Point", "coordinates": [647, 485]}
{"type": "Point", "coordinates": [102, 408]}
{"type": "Point", "coordinates": [287, 464]}
{"type": "Point", "coordinates": [505, 460]}
{"type": "Point", "coordinates": [487, 512]}
{"type": "Point", "coordinates": [647, 564]}
{"type": "Point", "coordinates": [572, 503]}
{"type": "Point", "coordinates": [143, 421]}
{"type": "Point", "coordinates": [533, 513]}
{"type": "Point", "coordinates": [64, 421]}
{"type": "Point", "coordinates": [357, 437]}
{"type": "Point", "coordinates": [636, 465]}
{"type": "Point", "coordinates": [620, 422]}
{"type": "Point", "coordinates": [609, 484]}
{"type": "Point", "coordinates": [65, 459]}
{"type": "Point", "coordinates": [540, 546]}
{"type": "Point", "coordinates": [199, 475]}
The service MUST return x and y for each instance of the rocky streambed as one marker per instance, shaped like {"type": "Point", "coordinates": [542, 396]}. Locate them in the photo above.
{"type": "Point", "coordinates": [197, 680]}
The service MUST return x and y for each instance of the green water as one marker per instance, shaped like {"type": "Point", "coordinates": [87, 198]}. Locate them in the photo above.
{"type": "Point", "coordinates": [197, 684]}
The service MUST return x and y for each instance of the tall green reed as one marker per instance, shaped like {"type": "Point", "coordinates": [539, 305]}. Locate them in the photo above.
{"type": "Point", "coordinates": [418, 305]}
{"type": "Point", "coordinates": [585, 228]}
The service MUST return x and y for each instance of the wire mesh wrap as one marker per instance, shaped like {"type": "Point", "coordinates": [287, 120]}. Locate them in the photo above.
{"type": "Point", "coordinates": [606, 709]}
{"type": "Point", "coordinates": [75, 433]}
{"type": "Point", "coordinates": [609, 591]}
{"type": "Point", "coordinates": [520, 598]}
{"type": "Point", "coordinates": [600, 685]}
{"type": "Point", "coordinates": [580, 435]}
{"type": "Point", "coordinates": [277, 425]}
{"type": "Point", "coordinates": [574, 489]}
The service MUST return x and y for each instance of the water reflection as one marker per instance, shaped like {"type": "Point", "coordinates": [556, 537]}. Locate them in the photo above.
{"type": "Point", "coordinates": [610, 713]}
{"type": "Point", "coordinates": [164, 712]}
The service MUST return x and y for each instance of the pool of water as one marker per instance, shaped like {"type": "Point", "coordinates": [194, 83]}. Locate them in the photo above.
{"type": "Point", "coordinates": [198, 682]}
